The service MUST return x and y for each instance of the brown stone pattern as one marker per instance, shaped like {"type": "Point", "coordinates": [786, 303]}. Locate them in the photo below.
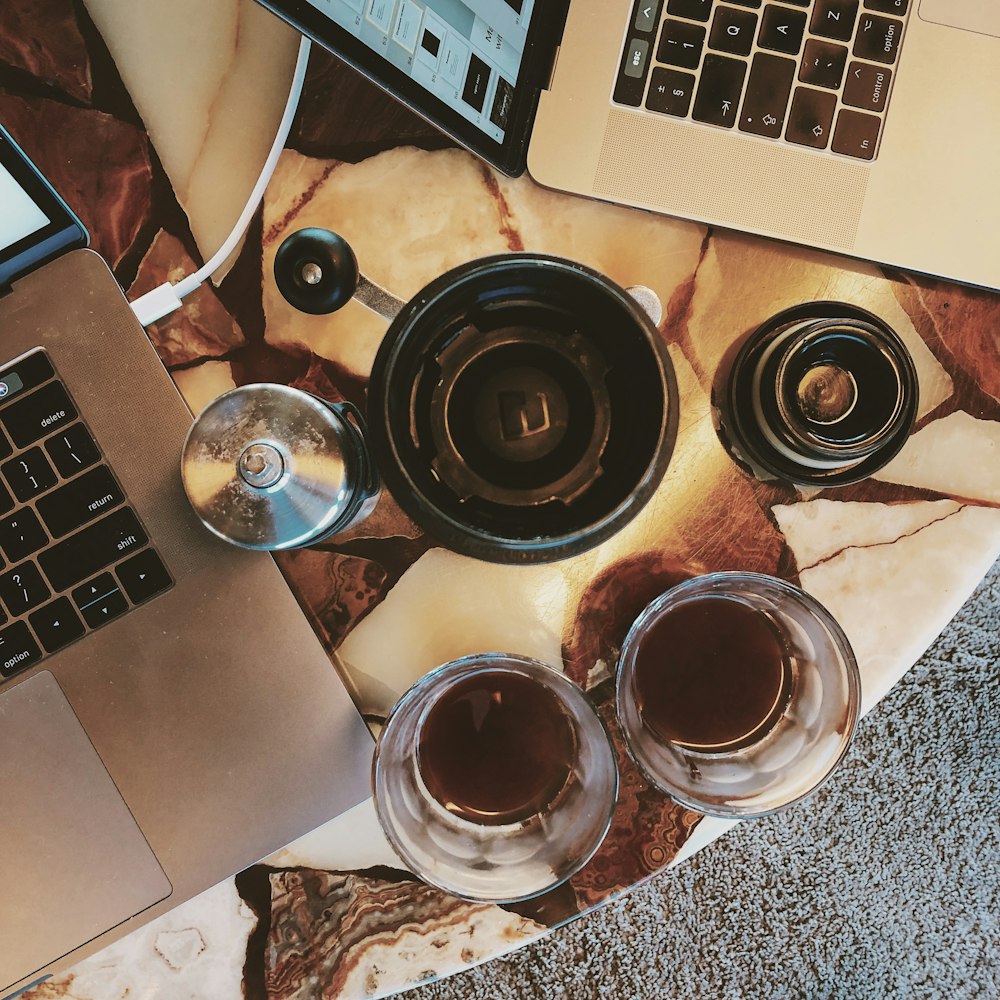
{"type": "Point", "coordinates": [334, 590]}
{"type": "Point", "coordinates": [324, 926]}
{"type": "Point", "coordinates": [203, 328]}
{"type": "Point", "coordinates": [344, 116]}
{"type": "Point", "coordinates": [962, 327]}
{"type": "Point", "coordinates": [42, 39]}
{"type": "Point", "coordinates": [100, 165]}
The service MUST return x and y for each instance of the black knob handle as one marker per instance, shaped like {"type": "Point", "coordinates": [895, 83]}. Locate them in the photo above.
{"type": "Point", "coordinates": [316, 271]}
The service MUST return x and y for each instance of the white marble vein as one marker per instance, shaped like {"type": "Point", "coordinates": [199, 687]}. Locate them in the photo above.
{"type": "Point", "coordinates": [891, 578]}
{"type": "Point", "coordinates": [194, 952]}
{"type": "Point", "coordinates": [210, 81]}
{"type": "Point", "coordinates": [958, 455]}
{"type": "Point", "coordinates": [446, 606]}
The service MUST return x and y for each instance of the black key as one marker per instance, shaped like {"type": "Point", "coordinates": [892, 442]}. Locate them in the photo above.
{"type": "Point", "coordinates": [799, 3]}
{"type": "Point", "coordinates": [91, 549]}
{"type": "Point", "coordinates": [834, 19]}
{"type": "Point", "coordinates": [696, 10]}
{"type": "Point", "coordinates": [5, 447]}
{"type": "Point", "coordinates": [6, 501]}
{"type": "Point", "coordinates": [767, 93]}
{"type": "Point", "coordinates": [57, 624]}
{"type": "Point", "coordinates": [719, 91]}
{"type": "Point", "coordinates": [732, 31]}
{"type": "Point", "coordinates": [888, 6]}
{"type": "Point", "coordinates": [27, 374]}
{"type": "Point", "coordinates": [856, 134]}
{"type": "Point", "coordinates": [29, 474]}
{"type": "Point", "coordinates": [747, 3]}
{"type": "Point", "coordinates": [647, 15]}
{"type": "Point", "coordinates": [878, 38]}
{"type": "Point", "coordinates": [72, 450]}
{"type": "Point", "coordinates": [21, 534]}
{"type": "Point", "coordinates": [867, 86]}
{"type": "Point", "coordinates": [47, 410]}
{"type": "Point", "coordinates": [100, 600]}
{"type": "Point", "coordinates": [823, 64]}
{"type": "Point", "coordinates": [90, 495]}
{"type": "Point", "coordinates": [143, 576]}
{"type": "Point", "coordinates": [18, 650]}
{"type": "Point", "coordinates": [632, 74]}
{"type": "Point", "coordinates": [94, 591]}
{"type": "Point", "coordinates": [22, 589]}
{"type": "Point", "coordinates": [670, 92]}
{"type": "Point", "coordinates": [110, 606]}
{"type": "Point", "coordinates": [782, 29]}
{"type": "Point", "coordinates": [810, 118]}
{"type": "Point", "coordinates": [680, 44]}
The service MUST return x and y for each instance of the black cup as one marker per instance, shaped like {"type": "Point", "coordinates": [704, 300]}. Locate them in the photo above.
{"type": "Point", "coordinates": [822, 394]}
{"type": "Point", "coordinates": [522, 408]}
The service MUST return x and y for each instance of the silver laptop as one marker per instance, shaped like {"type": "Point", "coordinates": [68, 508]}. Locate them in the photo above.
{"type": "Point", "coordinates": [866, 127]}
{"type": "Point", "coordinates": [167, 716]}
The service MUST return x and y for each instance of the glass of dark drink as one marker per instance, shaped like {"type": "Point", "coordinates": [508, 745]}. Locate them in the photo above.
{"type": "Point", "coordinates": [494, 778]}
{"type": "Point", "coordinates": [737, 693]}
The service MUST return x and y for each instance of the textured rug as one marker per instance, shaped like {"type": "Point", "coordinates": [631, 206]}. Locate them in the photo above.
{"type": "Point", "coordinates": [885, 884]}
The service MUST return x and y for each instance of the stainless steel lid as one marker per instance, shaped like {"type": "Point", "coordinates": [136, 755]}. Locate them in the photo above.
{"type": "Point", "coordinates": [269, 467]}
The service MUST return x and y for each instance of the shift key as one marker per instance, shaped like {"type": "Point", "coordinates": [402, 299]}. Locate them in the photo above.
{"type": "Point", "coordinates": [82, 555]}
{"type": "Point", "coordinates": [766, 99]}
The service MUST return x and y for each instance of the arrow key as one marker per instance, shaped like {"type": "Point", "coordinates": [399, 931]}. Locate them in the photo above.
{"type": "Point", "coordinates": [143, 576]}
{"type": "Point", "coordinates": [647, 15]}
{"type": "Point", "coordinates": [105, 608]}
{"type": "Point", "coordinates": [810, 119]}
{"type": "Point", "coordinates": [57, 624]}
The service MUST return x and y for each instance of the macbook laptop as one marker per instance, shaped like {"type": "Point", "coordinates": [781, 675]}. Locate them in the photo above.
{"type": "Point", "coordinates": [866, 127]}
{"type": "Point", "coordinates": [167, 716]}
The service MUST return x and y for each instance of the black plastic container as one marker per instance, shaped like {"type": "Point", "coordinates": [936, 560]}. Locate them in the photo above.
{"type": "Point", "coordinates": [522, 408]}
{"type": "Point", "coordinates": [822, 394]}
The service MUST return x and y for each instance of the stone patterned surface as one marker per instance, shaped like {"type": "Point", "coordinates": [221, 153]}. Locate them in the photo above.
{"type": "Point", "coordinates": [333, 915]}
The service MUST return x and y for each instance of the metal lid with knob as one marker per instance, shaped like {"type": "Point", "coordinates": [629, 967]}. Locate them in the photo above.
{"type": "Point", "coordinates": [268, 467]}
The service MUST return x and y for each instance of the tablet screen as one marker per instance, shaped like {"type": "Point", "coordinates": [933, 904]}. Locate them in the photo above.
{"type": "Point", "coordinates": [467, 53]}
{"type": "Point", "coordinates": [20, 217]}
{"type": "Point", "coordinates": [36, 225]}
{"type": "Point", "coordinates": [473, 68]}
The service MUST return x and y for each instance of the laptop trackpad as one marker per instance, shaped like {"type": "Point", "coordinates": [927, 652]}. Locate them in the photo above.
{"type": "Point", "coordinates": [971, 15]}
{"type": "Point", "coordinates": [73, 863]}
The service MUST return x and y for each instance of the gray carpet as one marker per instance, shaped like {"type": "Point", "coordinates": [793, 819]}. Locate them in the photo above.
{"type": "Point", "coordinates": [884, 884]}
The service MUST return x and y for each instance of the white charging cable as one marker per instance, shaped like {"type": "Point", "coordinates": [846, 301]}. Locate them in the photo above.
{"type": "Point", "coordinates": [166, 298]}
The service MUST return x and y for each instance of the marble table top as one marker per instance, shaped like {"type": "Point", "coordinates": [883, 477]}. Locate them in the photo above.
{"type": "Point", "coordinates": [153, 120]}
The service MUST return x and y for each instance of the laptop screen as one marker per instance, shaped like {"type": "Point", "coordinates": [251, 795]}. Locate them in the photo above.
{"type": "Point", "coordinates": [467, 53]}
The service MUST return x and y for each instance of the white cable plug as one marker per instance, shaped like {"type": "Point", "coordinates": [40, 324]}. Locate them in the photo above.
{"type": "Point", "coordinates": [165, 299]}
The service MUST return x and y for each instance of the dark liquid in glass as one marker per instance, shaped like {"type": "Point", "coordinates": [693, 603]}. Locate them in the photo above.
{"type": "Point", "coordinates": [496, 748]}
{"type": "Point", "coordinates": [712, 674]}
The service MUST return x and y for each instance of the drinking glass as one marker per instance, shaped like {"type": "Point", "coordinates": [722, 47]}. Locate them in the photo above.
{"type": "Point", "coordinates": [737, 693]}
{"type": "Point", "coordinates": [494, 778]}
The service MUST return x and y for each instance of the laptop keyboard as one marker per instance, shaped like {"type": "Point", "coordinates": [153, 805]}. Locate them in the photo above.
{"type": "Point", "coordinates": [813, 73]}
{"type": "Point", "coordinates": [75, 555]}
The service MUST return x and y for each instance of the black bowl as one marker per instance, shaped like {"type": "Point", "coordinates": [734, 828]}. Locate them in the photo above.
{"type": "Point", "coordinates": [522, 408]}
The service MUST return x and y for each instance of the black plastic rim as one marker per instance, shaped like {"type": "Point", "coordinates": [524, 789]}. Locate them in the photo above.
{"type": "Point", "coordinates": [415, 331]}
{"type": "Point", "coordinates": [737, 421]}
